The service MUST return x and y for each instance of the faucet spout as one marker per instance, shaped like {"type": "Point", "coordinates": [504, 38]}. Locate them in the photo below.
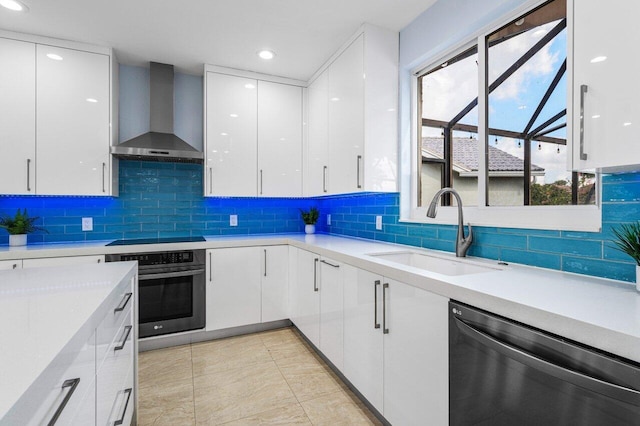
{"type": "Point", "coordinates": [462, 243]}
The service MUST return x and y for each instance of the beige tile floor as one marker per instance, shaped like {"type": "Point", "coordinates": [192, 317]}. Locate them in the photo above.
{"type": "Point", "coordinates": [269, 378]}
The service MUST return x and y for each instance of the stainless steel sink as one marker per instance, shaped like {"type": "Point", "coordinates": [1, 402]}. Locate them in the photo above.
{"type": "Point", "coordinates": [437, 264]}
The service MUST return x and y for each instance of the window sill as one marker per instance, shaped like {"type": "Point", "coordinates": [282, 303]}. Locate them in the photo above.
{"type": "Point", "coordinates": [569, 218]}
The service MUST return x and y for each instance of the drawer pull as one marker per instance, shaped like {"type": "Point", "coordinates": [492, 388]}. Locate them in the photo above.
{"type": "Point", "coordinates": [126, 404]}
{"type": "Point", "coordinates": [127, 331]}
{"type": "Point", "coordinates": [123, 303]}
{"type": "Point", "coordinates": [72, 384]}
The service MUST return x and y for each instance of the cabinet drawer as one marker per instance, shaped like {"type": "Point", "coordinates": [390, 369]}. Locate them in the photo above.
{"type": "Point", "coordinates": [112, 375]}
{"type": "Point", "coordinates": [123, 405]}
{"type": "Point", "coordinates": [70, 385]}
{"type": "Point", "coordinates": [109, 328]}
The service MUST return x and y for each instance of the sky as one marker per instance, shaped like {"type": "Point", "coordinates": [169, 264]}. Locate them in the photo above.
{"type": "Point", "coordinates": [513, 102]}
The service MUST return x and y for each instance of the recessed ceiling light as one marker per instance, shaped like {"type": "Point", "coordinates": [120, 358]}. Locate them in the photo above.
{"type": "Point", "coordinates": [598, 59]}
{"type": "Point", "coordinates": [334, 99]}
{"type": "Point", "coordinates": [250, 86]}
{"type": "Point", "coordinates": [520, 22]}
{"type": "Point", "coordinates": [595, 116]}
{"type": "Point", "coordinates": [233, 115]}
{"type": "Point", "coordinates": [14, 5]}
{"type": "Point", "coordinates": [626, 124]}
{"type": "Point", "coordinates": [266, 54]}
{"type": "Point", "coordinates": [53, 55]}
{"type": "Point", "coordinates": [93, 101]}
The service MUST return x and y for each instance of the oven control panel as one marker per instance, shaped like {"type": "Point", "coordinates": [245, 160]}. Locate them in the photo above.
{"type": "Point", "coordinates": [159, 258]}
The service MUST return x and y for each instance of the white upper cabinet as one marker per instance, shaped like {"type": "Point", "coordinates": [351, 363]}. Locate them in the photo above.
{"type": "Point", "coordinates": [17, 117]}
{"type": "Point", "coordinates": [316, 166]}
{"type": "Point", "coordinates": [253, 134]}
{"type": "Point", "coordinates": [352, 117]}
{"type": "Point", "coordinates": [606, 112]}
{"type": "Point", "coordinates": [279, 140]}
{"type": "Point", "coordinates": [73, 107]}
{"type": "Point", "coordinates": [230, 135]}
{"type": "Point", "coordinates": [346, 120]}
{"type": "Point", "coordinates": [56, 115]}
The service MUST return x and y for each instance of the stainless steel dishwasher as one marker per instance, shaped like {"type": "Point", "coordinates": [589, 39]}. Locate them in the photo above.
{"type": "Point", "coordinates": [506, 373]}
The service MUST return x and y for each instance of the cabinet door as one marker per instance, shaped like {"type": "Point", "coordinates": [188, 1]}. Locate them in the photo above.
{"type": "Point", "coordinates": [331, 311]}
{"type": "Point", "coordinates": [275, 283]}
{"type": "Point", "coordinates": [10, 264]}
{"type": "Point", "coordinates": [279, 140]}
{"type": "Point", "coordinates": [17, 117]}
{"type": "Point", "coordinates": [233, 287]}
{"type": "Point", "coordinates": [363, 342]}
{"type": "Point", "coordinates": [62, 261]}
{"type": "Point", "coordinates": [231, 135]}
{"type": "Point", "coordinates": [346, 120]}
{"type": "Point", "coordinates": [611, 109]}
{"type": "Point", "coordinates": [416, 375]}
{"type": "Point", "coordinates": [317, 155]}
{"type": "Point", "coordinates": [306, 296]}
{"type": "Point", "coordinates": [73, 122]}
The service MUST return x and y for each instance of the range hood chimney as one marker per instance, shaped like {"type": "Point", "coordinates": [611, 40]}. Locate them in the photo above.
{"type": "Point", "coordinates": [160, 144]}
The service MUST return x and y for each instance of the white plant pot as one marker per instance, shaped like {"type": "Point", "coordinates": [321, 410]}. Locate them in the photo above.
{"type": "Point", "coordinates": [638, 278]}
{"type": "Point", "coordinates": [309, 229]}
{"type": "Point", "coordinates": [17, 240]}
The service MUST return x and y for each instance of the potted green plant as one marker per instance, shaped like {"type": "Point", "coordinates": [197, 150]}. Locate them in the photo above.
{"type": "Point", "coordinates": [628, 241]}
{"type": "Point", "coordinates": [19, 226]}
{"type": "Point", "coordinates": [310, 218]}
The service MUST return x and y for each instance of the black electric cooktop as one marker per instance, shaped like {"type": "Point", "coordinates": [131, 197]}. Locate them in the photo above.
{"type": "Point", "coordinates": [156, 241]}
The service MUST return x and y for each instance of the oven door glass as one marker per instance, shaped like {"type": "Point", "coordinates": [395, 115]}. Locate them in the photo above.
{"type": "Point", "coordinates": [166, 299]}
{"type": "Point", "coordinates": [171, 302]}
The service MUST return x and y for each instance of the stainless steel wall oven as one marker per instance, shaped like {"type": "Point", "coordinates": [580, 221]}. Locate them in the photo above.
{"type": "Point", "coordinates": [171, 290]}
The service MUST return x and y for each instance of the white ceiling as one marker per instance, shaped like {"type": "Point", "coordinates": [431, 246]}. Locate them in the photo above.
{"type": "Point", "coordinates": [187, 34]}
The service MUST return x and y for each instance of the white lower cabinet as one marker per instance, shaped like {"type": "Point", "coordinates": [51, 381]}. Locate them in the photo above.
{"type": "Point", "coordinates": [62, 261]}
{"type": "Point", "coordinates": [363, 345]}
{"type": "Point", "coordinates": [396, 348]}
{"type": "Point", "coordinates": [233, 287]}
{"type": "Point", "coordinates": [305, 296]}
{"type": "Point", "coordinates": [10, 264]}
{"type": "Point", "coordinates": [246, 285]}
{"type": "Point", "coordinates": [331, 310]}
{"type": "Point", "coordinates": [275, 283]}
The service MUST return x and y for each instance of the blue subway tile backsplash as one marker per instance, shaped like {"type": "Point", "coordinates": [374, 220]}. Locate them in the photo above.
{"type": "Point", "coordinates": [165, 200]}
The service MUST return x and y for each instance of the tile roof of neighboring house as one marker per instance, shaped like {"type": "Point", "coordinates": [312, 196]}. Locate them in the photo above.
{"type": "Point", "coordinates": [465, 156]}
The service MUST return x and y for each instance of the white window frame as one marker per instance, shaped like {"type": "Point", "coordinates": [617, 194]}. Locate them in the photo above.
{"type": "Point", "coordinates": [572, 218]}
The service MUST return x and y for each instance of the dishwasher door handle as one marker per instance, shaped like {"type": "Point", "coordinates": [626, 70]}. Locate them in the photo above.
{"type": "Point", "coordinates": [576, 378]}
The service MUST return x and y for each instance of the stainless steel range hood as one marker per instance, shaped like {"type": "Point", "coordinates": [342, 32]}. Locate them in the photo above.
{"type": "Point", "coordinates": [160, 144]}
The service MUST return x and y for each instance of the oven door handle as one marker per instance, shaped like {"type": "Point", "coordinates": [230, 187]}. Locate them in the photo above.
{"type": "Point", "coordinates": [170, 275]}
{"type": "Point", "coordinates": [593, 384]}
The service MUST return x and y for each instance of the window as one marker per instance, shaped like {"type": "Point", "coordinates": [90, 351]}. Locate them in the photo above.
{"type": "Point", "coordinates": [517, 156]}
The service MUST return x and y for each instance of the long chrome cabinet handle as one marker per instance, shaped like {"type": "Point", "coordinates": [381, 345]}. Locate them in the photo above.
{"type": "Point", "coordinates": [210, 268]}
{"type": "Point", "coordinates": [123, 303]}
{"type": "Point", "coordinates": [359, 160]}
{"type": "Point", "coordinates": [104, 167]}
{"type": "Point", "coordinates": [260, 182]}
{"type": "Point", "coordinates": [265, 262]}
{"type": "Point", "coordinates": [118, 422]}
{"type": "Point", "coordinates": [577, 378]}
{"type": "Point", "coordinates": [583, 91]}
{"type": "Point", "coordinates": [72, 384]}
{"type": "Point", "coordinates": [29, 174]}
{"type": "Point", "coordinates": [315, 274]}
{"type": "Point", "coordinates": [376, 324]}
{"type": "Point", "coordinates": [210, 180]}
{"type": "Point", "coordinates": [324, 178]}
{"type": "Point", "coordinates": [329, 263]}
{"type": "Point", "coordinates": [385, 330]}
{"type": "Point", "coordinates": [127, 331]}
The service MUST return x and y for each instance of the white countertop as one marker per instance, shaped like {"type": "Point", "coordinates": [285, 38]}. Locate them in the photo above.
{"type": "Point", "coordinates": [598, 312]}
{"type": "Point", "coordinates": [43, 311]}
